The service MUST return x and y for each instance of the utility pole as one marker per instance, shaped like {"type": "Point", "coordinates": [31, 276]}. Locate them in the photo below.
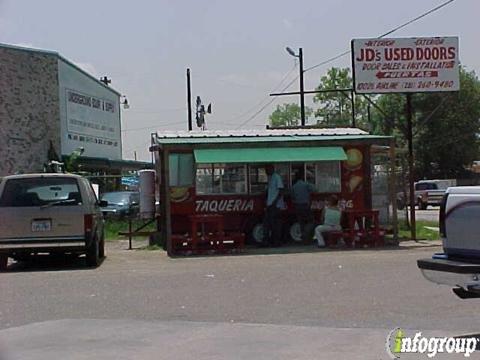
{"type": "Point", "coordinates": [411, 177]}
{"type": "Point", "coordinates": [302, 92]}
{"type": "Point", "coordinates": [189, 101]}
{"type": "Point", "coordinates": [352, 99]}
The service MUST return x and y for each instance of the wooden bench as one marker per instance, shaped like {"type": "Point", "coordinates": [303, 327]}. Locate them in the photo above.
{"type": "Point", "coordinates": [333, 237]}
{"type": "Point", "coordinates": [208, 243]}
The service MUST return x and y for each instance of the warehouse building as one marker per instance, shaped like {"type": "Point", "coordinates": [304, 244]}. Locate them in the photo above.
{"type": "Point", "coordinates": [50, 108]}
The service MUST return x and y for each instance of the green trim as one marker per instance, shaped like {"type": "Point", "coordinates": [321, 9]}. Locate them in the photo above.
{"type": "Point", "coordinates": [269, 155]}
{"type": "Point", "coordinates": [109, 164]}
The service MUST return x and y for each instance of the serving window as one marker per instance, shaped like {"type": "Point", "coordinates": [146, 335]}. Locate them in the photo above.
{"type": "Point", "coordinates": [181, 168]}
{"type": "Point", "coordinates": [325, 175]}
{"type": "Point", "coordinates": [221, 179]}
{"type": "Point", "coordinates": [258, 179]}
{"type": "Point", "coordinates": [232, 178]}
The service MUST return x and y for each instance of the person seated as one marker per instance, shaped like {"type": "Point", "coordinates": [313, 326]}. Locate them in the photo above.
{"type": "Point", "coordinates": [331, 220]}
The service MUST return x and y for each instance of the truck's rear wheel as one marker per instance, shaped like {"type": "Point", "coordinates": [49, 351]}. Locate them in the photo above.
{"type": "Point", "coordinates": [93, 254]}
{"type": "Point", "coordinates": [422, 205]}
{"type": "Point", "coordinates": [3, 262]}
{"type": "Point", "coordinates": [101, 251]}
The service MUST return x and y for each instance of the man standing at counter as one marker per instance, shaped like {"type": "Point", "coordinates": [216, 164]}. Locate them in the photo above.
{"type": "Point", "coordinates": [275, 203]}
{"type": "Point", "coordinates": [301, 193]}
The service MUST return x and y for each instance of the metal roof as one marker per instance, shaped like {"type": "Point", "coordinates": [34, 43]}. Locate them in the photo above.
{"type": "Point", "coordinates": [233, 136]}
{"type": "Point", "coordinates": [252, 133]}
{"type": "Point", "coordinates": [60, 57]}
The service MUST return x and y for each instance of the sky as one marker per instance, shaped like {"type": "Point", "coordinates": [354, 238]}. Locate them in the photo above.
{"type": "Point", "coordinates": [235, 49]}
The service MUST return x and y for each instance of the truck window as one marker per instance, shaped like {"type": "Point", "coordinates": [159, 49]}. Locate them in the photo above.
{"type": "Point", "coordinates": [426, 186]}
{"type": "Point", "coordinates": [40, 191]}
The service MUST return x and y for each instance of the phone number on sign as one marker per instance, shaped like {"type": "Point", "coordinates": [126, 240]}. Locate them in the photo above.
{"type": "Point", "coordinates": [435, 84]}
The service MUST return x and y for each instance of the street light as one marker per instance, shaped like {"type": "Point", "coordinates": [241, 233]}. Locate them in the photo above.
{"type": "Point", "coordinates": [302, 92]}
{"type": "Point", "coordinates": [124, 102]}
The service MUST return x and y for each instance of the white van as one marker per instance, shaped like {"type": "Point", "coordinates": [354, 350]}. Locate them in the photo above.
{"type": "Point", "coordinates": [49, 213]}
{"type": "Point", "coordinates": [459, 265]}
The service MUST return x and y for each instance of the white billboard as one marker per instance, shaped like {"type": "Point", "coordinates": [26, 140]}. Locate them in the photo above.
{"type": "Point", "coordinates": [405, 65]}
{"type": "Point", "coordinates": [89, 114]}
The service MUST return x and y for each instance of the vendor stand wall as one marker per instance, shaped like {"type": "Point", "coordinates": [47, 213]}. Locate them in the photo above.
{"type": "Point", "coordinates": [196, 172]}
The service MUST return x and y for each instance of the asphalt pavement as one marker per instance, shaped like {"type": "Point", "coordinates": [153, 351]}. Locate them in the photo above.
{"type": "Point", "coordinates": [295, 303]}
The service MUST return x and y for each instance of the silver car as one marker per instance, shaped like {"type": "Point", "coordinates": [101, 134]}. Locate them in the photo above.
{"type": "Point", "coordinates": [50, 213]}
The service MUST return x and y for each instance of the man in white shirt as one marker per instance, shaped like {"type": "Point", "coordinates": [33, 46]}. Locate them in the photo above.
{"type": "Point", "coordinates": [275, 202]}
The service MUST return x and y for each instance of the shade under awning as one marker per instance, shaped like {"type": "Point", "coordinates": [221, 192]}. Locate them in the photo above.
{"type": "Point", "coordinates": [269, 155]}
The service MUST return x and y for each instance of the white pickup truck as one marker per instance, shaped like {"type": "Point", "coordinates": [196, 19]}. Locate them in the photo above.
{"type": "Point", "coordinates": [459, 265]}
{"type": "Point", "coordinates": [427, 192]}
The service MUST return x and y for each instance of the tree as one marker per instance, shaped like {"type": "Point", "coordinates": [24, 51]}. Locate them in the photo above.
{"type": "Point", "coordinates": [447, 141]}
{"type": "Point", "coordinates": [71, 161]}
{"type": "Point", "coordinates": [288, 115]}
{"type": "Point", "coordinates": [446, 127]}
{"type": "Point", "coordinates": [335, 108]}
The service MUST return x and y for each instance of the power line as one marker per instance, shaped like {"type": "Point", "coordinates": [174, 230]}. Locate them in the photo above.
{"type": "Point", "coordinates": [159, 111]}
{"type": "Point", "coordinates": [266, 105]}
{"type": "Point", "coordinates": [348, 52]}
{"type": "Point", "coordinates": [328, 60]}
{"type": "Point", "coordinates": [417, 18]}
{"type": "Point", "coordinates": [266, 97]}
{"type": "Point", "coordinates": [152, 127]}
{"type": "Point", "coordinates": [146, 144]}
{"type": "Point", "coordinates": [387, 33]}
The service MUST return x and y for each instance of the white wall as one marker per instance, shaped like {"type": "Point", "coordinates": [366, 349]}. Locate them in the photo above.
{"type": "Point", "coordinates": [89, 115]}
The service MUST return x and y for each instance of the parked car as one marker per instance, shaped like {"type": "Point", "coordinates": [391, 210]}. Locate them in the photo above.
{"type": "Point", "coordinates": [49, 213]}
{"type": "Point", "coordinates": [427, 192]}
{"type": "Point", "coordinates": [121, 203]}
{"type": "Point", "coordinates": [459, 264]}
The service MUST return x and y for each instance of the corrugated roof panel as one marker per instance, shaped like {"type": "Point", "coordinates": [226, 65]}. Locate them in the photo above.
{"type": "Point", "coordinates": [260, 133]}
{"type": "Point", "coordinates": [265, 139]}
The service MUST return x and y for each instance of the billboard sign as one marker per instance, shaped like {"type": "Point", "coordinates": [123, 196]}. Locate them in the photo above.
{"type": "Point", "coordinates": [405, 65]}
{"type": "Point", "coordinates": [90, 115]}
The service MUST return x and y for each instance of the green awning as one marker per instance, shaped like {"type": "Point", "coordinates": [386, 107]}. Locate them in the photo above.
{"type": "Point", "coordinates": [269, 155]}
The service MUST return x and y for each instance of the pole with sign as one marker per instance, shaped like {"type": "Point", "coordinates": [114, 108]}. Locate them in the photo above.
{"type": "Point", "coordinates": [406, 65]}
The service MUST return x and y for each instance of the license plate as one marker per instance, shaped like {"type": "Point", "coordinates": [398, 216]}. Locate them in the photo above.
{"type": "Point", "coordinates": [41, 225]}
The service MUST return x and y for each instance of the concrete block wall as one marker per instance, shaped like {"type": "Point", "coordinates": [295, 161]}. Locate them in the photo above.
{"type": "Point", "coordinates": [29, 110]}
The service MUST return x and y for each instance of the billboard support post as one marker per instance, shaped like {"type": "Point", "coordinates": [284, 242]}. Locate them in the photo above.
{"type": "Point", "coordinates": [302, 90]}
{"type": "Point", "coordinates": [189, 101]}
{"type": "Point", "coordinates": [352, 99]}
{"type": "Point", "coordinates": [411, 175]}
{"type": "Point", "coordinates": [406, 65]}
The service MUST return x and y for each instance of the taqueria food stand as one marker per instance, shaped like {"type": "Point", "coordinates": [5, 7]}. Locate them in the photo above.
{"type": "Point", "coordinates": [211, 184]}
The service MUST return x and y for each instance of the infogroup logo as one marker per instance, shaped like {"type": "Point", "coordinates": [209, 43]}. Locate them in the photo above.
{"type": "Point", "coordinates": [398, 343]}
